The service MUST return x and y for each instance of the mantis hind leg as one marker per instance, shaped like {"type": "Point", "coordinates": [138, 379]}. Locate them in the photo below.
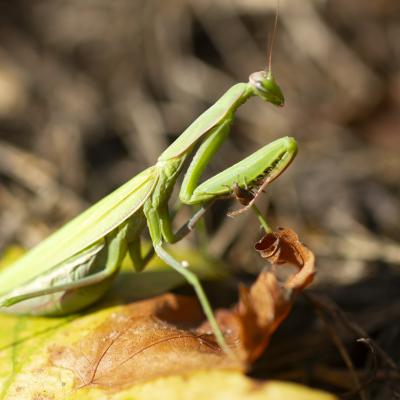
{"type": "Point", "coordinates": [135, 226]}
{"type": "Point", "coordinates": [194, 281]}
{"type": "Point", "coordinates": [159, 224]}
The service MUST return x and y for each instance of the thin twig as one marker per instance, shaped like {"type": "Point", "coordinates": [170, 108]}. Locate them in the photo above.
{"type": "Point", "coordinates": [343, 352]}
{"type": "Point", "coordinates": [334, 310]}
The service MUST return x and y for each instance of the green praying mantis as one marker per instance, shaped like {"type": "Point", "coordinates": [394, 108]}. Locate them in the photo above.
{"type": "Point", "coordinates": [74, 266]}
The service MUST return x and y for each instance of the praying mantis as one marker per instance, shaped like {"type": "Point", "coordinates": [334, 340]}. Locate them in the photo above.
{"type": "Point", "coordinates": [74, 266]}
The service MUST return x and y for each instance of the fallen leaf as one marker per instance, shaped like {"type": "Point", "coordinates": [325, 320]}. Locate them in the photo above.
{"type": "Point", "coordinates": [142, 341]}
{"type": "Point", "coordinates": [254, 319]}
{"type": "Point", "coordinates": [266, 304]}
{"type": "Point", "coordinates": [284, 247]}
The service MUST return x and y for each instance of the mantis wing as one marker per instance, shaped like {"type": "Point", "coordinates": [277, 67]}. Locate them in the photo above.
{"type": "Point", "coordinates": [84, 230]}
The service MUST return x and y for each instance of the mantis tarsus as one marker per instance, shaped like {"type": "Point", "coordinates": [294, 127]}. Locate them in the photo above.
{"type": "Point", "coordinates": [73, 267]}
{"type": "Point", "coordinates": [247, 197]}
{"type": "Point", "coordinates": [243, 195]}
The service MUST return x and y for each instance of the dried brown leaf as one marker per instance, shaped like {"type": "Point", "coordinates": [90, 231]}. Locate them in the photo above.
{"type": "Point", "coordinates": [284, 247]}
{"type": "Point", "coordinates": [263, 307]}
{"type": "Point", "coordinates": [142, 341]}
{"type": "Point", "coordinates": [254, 319]}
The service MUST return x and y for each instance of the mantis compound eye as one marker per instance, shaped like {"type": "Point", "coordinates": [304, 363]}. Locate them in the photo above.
{"type": "Point", "coordinates": [266, 87]}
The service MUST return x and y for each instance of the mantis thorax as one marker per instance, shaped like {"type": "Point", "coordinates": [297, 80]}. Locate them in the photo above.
{"type": "Point", "coordinates": [168, 171]}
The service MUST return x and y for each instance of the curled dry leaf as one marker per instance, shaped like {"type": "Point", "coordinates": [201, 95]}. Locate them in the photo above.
{"type": "Point", "coordinates": [264, 306]}
{"type": "Point", "coordinates": [284, 247]}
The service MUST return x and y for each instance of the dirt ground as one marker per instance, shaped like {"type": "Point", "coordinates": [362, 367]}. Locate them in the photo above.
{"type": "Point", "coordinates": [91, 92]}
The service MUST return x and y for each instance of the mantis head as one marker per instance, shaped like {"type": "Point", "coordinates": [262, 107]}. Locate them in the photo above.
{"type": "Point", "coordinates": [265, 86]}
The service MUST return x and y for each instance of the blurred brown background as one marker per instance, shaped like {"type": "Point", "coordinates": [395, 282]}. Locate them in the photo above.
{"type": "Point", "coordinates": [92, 91]}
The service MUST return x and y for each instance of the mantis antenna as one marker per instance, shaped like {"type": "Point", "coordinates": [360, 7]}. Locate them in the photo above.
{"type": "Point", "coordinates": [272, 42]}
